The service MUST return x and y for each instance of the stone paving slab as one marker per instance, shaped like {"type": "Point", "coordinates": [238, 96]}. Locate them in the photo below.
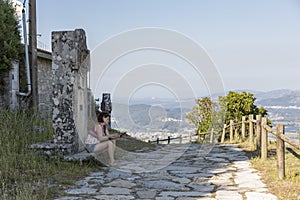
{"type": "Point", "coordinates": [185, 173]}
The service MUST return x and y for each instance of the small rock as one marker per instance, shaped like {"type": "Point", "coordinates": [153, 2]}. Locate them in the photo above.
{"type": "Point", "coordinates": [122, 183]}
{"type": "Point", "coordinates": [83, 190]}
{"type": "Point", "coordinates": [149, 194]}
{"type": "Point", "coordinates": [114, 190]}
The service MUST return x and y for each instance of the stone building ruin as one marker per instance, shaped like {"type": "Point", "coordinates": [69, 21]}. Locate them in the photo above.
{"type": "Point", "coordinates": [71, 99]}
{"type": "Point", "coordinates": [64, 96]}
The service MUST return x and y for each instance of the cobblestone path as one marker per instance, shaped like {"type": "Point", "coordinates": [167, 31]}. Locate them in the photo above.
{"type": "Point", "coordinates": [176, 172]}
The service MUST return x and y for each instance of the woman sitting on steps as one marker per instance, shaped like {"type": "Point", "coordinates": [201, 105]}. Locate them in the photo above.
{"type": "Point", "coordinates": [100, 140]}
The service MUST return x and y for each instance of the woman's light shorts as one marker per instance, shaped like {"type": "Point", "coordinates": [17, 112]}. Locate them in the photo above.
{"type": "Point", "coordinates": [90, 147]}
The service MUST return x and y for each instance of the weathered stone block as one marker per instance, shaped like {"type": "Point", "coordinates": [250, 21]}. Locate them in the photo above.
{"type": "Point", "coordinates": [69, 97]}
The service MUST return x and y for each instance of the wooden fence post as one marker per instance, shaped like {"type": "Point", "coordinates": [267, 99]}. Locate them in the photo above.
{"type": "Point", "coordinates": [199, 138]}
{"type": "Point", "coordinates": [169, 138]}
{"type": "Point", "coordinates": [280, 151]}
{"type": "Point", "coordinates": [211, 136]}
{"type": "Point", "coordinates": [243, 128]}
{"type": "Point", "coordinates": [157, 140]}
{"type": "Point", "coordinates": [180, 139]}
{"type": "Point", "coordinates": [251, 140]}
{"type": "Point", "coordinates": [264, 140]}
{"type": "Point", "coordinates": [258, 133]}
{"type": "Point", "coordinates": [231, 131]}
{"type": "Point", "coordinates": [223, 133]}
{"type": "Point", "coordinates": [236, 133]}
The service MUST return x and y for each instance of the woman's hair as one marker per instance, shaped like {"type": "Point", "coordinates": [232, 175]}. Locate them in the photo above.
{"type": "Point", "coordinates": [102, 115]}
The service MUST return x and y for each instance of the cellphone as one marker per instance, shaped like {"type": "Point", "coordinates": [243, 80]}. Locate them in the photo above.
{"type": "Point", "coordinates": [123, 134]}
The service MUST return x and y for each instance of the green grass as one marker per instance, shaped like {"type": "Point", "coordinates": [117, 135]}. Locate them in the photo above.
{"type": "Point", "coordinates": [26, 175]}
{"type": "Point", "coordinates": [23, 174]}
{"type": "Point", "coordinates": [128, 143]}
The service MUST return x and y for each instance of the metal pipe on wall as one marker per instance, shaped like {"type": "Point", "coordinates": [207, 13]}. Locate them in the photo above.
{"type": "Point", "coordinates": [26, 56]}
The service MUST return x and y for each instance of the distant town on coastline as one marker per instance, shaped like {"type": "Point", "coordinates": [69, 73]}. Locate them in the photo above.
{"type": "Point", "coordinates": [168, 116]}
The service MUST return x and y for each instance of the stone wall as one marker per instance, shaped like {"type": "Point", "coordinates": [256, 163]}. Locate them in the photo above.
{"type": "Point", "coordinates": [63, 92]}
{"type": "Point", "coordinates": [45, 83]}
{"type": "Point", "coordinates": [70, 64]}
{"type": "Point", "coordinates": [10, 85]}
{"type": "Point", "coordinates": [70, 95]}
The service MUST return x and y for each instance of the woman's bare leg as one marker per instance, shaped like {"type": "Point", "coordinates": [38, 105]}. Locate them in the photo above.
{"type": "Point", "coordinates": [106, 146]}
{"type": "Point", "coordinates": [111, 152]}
{"type": "Point", "coordinates": [101, 147]}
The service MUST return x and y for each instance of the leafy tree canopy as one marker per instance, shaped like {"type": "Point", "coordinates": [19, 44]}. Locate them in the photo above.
{"type": "Point", "coordinates": [238, 105]}
{"type": "Point", "coordinates": [201, 114]}
{"type": "Point", "coordinates": [207, 114]}
{"type": "Point", "coordinates": [10, 44]}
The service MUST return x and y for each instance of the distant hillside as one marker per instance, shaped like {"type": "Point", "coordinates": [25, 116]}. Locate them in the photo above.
{"type": "Point", "coordinates": [166, 114]}
{"type": "Point", "coordinates": [284, 98]}
{"type": "Point", "coordinates": [164, 102]}
{"type": "Point", "coordinates": [142, 117]}
{"type": "Point", "coordinates": [273, 94]}
{"type": "Point", "coordinates": [283, 107]}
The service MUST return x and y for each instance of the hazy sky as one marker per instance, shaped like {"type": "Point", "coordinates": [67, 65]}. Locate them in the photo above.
{"type": "Point", "coordinates": [255, 44]}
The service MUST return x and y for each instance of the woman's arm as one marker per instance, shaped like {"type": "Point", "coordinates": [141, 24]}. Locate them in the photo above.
{"type": "Point", "coordinates": [93, 132]}
{"type": "Point", "coordinates": [109, 136]}
{"type": "Point", "coordinates": [112, 136]}
{"type": "Point", "coordinates": [99, 132]}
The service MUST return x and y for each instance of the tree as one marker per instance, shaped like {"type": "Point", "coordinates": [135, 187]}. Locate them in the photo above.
{"type": "Point", "coordinates": [201, 114]}
{"type": "Point", "coordinates": [10, 44]}
{"type": "Point", "coordinates": [235, 105]}
{"type": "Point", "coordinates": [238, 105]}
{"type": "Point", "coordinates": [261, 111]}
{"type": "Point", "coordinates": [208, 114]}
